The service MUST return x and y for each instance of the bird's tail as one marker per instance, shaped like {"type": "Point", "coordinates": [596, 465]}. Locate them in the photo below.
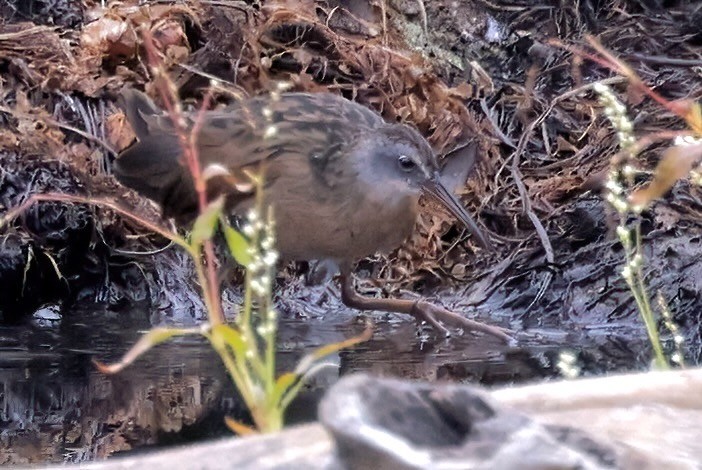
{"type": "Point", "coordinates": [152, 166]}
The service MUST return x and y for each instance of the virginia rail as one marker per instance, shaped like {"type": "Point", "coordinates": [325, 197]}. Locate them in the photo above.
{"type": "Point", "coordinates": [343, 183]}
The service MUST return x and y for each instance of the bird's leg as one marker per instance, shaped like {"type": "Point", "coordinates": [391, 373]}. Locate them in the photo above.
{"type": "Point", "coordinates": [419, 309]}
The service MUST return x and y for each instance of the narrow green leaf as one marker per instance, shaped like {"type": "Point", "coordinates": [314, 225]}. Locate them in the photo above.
{"type": "Point", "coordinates": [154, 337]}
{"type": "Point", "coordinates": [239, 428]}
{"type": "Point", "coordinates": [224, 335]}
{"type": "Point", "coordinates": [238, 245]}
{"type": "Point", "coordinates": [282, 385]}
{"type": "Point", "coordinates": [206, 223]}
{"type": "Point", "coordinates": [294, 388]}
{"type": "Point", "coordinates": [309, 359]}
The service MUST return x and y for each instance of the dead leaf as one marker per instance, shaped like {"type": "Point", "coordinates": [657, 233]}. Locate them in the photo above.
{"type": "Point", "coordinates": [676, 163]}
{"type": "Point", "coordinates": [119, 132]}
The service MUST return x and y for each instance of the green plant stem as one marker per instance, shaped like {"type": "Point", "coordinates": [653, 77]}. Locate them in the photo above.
{"type": "Point", "coordinates": [244, 321]}
{"type": "Point", "coordinates": [242, 381]}
{"type": "Point", "coordinates": [244, 317]}
{"type": "Point", "coordinates": [211, 288]}
{"type": "Point", "coordinates": [638, 289]}
{"type": "Point", "coordinates": [211, 304]}
{"type": "Point", "coordinates": [271, 334]}
{"type": "Point", "coordinates": [650, 322]}
{"type": "Point", "coordinates": [649, 317]}
{"type": "Point", "coordinates": [267, 416]}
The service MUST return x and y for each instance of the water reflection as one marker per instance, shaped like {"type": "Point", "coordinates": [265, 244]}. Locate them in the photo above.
{"type": "Point", "coordinates": [55, 407]}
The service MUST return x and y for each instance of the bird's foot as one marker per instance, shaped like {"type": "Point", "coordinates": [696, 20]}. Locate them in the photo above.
{"type": "Point", "coordinates": [438, 317]}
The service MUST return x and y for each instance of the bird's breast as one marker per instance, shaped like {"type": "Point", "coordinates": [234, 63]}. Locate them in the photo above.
{"type": "Point", "coordinates": [341, 222]}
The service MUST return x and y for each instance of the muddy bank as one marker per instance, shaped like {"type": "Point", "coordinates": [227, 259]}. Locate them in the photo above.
{"type": "Point", "coordinates": [457, 70]}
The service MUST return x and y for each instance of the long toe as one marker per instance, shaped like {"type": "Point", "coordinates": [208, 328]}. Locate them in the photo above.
{"type": "Point", "coordinates": [434, 314]}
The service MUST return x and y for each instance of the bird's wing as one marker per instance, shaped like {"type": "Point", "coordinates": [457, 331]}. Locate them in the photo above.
{"type": "Point", "coordinates": [140, 111]}
{"type": "Point", "coordinates": [262, 135]}
{"type": "Point", "coordinates": [303, 129]}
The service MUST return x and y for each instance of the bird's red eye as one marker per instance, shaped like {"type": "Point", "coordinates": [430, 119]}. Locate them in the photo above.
{"type": "Point", "coordinates": [406, 163]}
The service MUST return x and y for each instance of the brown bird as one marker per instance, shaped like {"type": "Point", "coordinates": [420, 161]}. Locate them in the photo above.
{"type": "Point", "coordinates": [343, 183]}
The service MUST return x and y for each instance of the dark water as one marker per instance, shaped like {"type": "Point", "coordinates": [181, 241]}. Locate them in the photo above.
{"type": "Point", "coordinates": [56, 407]}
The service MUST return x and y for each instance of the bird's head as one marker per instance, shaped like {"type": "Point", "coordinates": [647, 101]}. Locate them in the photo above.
{"type": "Point", "coordinates": [398, 157]}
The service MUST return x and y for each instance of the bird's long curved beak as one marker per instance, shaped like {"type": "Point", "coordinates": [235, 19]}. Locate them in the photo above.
{"type": "Point", "coordinates": [437, 190]}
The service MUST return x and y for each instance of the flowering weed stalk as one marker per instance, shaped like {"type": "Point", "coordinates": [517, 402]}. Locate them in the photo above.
{"type": "Point", "coordinates": [620, 181]}
{"type": "Point", "coordinates": [681, 160]}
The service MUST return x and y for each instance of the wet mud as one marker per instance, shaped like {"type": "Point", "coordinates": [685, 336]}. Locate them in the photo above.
{"type": "Point", "coordinates": [81, 281]}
